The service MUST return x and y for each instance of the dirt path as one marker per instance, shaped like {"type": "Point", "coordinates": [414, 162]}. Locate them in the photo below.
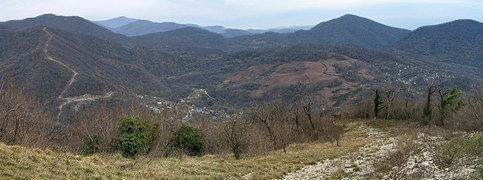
{"type": "Point", "coordinates": [356, 165]}
{"type": "Point", "coordinates": [68, 100]}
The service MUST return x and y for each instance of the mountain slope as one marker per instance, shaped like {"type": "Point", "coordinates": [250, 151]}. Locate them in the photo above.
{"type": "Point", "coordinates": [355, 30]}
{"type": "Point", "coordinates": [56, 66]}
{"type": "Point", "coordinates": [116, 22]}
{"type": "Point", "coordinates": [66, 23]}
{"type": "Point", "coordinates": [346, 30]}
{"type": "Point", "coordinates": [180, 38]}
{"type": "Point", "coordinates": [459, 41]}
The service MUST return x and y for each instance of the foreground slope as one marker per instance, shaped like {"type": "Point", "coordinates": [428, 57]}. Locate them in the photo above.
{"type": "Point", "coordinates": [20, 162]}
{"type": "Point", "coordinates": [375, 149]}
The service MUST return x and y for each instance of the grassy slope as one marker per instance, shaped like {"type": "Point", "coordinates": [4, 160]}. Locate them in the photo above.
{"type": "Point", "coordinates": [20, 163]}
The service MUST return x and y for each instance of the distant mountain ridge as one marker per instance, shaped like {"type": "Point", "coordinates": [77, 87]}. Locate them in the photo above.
{"type": "Point", "coordinates": [142, 27]}
{"type": "Point", "coordinates": [346, 30]}
{"type": "Point", "coordinates": [137, 27]}
{"type": "Point", "coordinates": [116, 22]}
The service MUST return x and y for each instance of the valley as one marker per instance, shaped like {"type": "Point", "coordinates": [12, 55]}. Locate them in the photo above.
{"type": "Point", "coordinates": [234, 71]}
{"type": "Point", "coordinates": [347, 98]}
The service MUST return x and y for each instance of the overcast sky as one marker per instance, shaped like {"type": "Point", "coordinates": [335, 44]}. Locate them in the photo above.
{"type": "Point", "coordinates": [244, 14]}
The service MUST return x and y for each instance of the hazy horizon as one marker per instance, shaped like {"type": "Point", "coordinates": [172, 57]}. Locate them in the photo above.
{"type": "Point", "coordinates": [251, 14]}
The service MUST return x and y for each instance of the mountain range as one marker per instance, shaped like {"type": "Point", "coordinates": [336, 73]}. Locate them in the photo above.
{"type": "Point", "coordinates": [56, 58]}
{"type": "Point", "coordinates": [135, 27]}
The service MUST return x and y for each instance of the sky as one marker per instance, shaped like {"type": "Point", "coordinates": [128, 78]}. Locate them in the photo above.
{"type": "Point", "coordinates": [252, 14]}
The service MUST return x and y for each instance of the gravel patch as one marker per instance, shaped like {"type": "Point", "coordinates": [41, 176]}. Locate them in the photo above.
{"type": "Point", "coordinates": [356, 165]}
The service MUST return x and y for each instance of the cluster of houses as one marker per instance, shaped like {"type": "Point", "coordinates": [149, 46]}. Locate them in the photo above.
{"type": "Point", "coordinates": [190, 106]}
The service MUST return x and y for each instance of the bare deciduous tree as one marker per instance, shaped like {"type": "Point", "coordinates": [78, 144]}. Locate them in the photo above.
{"type": "Point", "coordinates": [22, 119]}
{"type": "Point", "coordinates": [307, 107]}
{"type": "Point", "coordinates": [236, 132]}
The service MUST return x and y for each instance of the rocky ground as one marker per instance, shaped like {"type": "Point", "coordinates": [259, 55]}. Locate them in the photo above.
{"type": "Point", "coordinates": [420, 163]}
{"type": "Point", "coordinates": [357, 165]}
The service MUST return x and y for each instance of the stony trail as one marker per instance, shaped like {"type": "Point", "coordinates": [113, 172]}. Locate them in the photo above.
{"type": "Point", "coordinates": [356, 165]}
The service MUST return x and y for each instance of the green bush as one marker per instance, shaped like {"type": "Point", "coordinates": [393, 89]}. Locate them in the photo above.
{"type": "Point", "coordinates": [189, 139]}
{"type": "Point", "coordinates": [91, 145]}
{"type": "Point", "coordinates": [133, 136]}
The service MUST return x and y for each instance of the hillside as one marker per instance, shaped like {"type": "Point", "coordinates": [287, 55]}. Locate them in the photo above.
{"type": "Point", "coordinates": [271, 165]}
{"type": "Point", "coordinates": [459, 42]}
{"type": "Point", "coordinates": [44, 60]}
{"type": "Point", "coordinates": [348, 99]}
{"type": "Point", "coordinates": [181, 38]}
{"type": "Point", "coordinates": [370, 150]}
{"type": "Point", "coordinates": [66, 23]}
{"type": "Point", "coordinates": [332, 75]}
{"type": "Point", "coordinates": [327, 73]}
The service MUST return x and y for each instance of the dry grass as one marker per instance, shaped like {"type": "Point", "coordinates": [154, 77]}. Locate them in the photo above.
{"type": "Point", "coordinates": [22, 163]}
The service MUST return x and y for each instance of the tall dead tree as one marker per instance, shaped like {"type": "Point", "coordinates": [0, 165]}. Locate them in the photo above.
{"type": "Point", "coordinates": [406, 101]}
{"type": "Point", "coordinates": [296, 119]}
{"type": "Point", "coordinates": [428, 110]}
{"type": "Point", "coordinates": [307, 107]}
{"type": "Point", "coordinates": [263, 114]}
{"type": "Point", "coordinates": [390, 94]}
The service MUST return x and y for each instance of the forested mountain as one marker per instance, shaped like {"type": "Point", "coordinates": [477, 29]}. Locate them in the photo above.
{"type": "Point", "coordinates": [348, 29]}
{"type": "Point", "coordinates": [354, 30]}
{"type": "Point", "coordinates": [53, 64]}
{"type": "Point", "coordinates": [333, 62]}
{"type": "Point", "coordinates": [66, 23]}
{"type": "Point", "coordinates": [180, 38]}
{"type": "Point", "coordinates": [459, 42]}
